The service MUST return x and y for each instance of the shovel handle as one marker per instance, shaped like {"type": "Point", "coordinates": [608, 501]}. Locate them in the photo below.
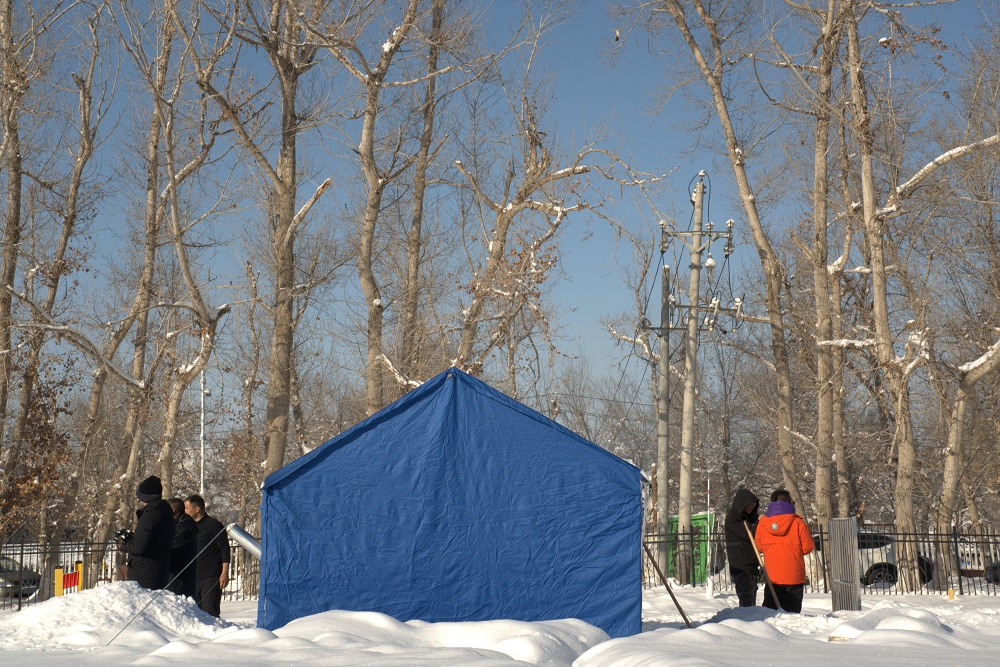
{"type": "Point", "coordinates": [767, 579]}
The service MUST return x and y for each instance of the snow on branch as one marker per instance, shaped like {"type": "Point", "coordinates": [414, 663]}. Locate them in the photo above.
{"type": "Point", "coordinates": [847, 343]}
{"type": "Point", "coordinates": [400, 378]}
{"type": "Point", "coordinates": [800, 436]}
{"type": "Point", "coordinates": [632, 340]}
{"type": "Point", "coordinates": [907, 188]}
{"type": "Point", "coordinates": [300, 216]}
{"type": "Point", "coordinates": [577, 170]}
{"type": "Point", "coordinates": [982, 364]}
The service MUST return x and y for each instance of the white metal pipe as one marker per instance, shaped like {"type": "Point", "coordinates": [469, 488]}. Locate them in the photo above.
{"type": "Point", "coordinates": [245, 539]}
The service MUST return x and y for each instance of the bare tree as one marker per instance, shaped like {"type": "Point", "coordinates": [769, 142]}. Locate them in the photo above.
{"type": "Point", "coordinates": [66, 200]}
{"type": "Point", "coordinates": [371, 73]}
{"type": "Point", "coordinates": [24, 59]}
{"type": "Point", "coordinates": [897, 370]}
{"type": "Point", "coordinates": [975, 270]}
{"type": "Point", "coordinates": [279, 32]}
{"type": "Point", "coordinates": [520, 196]}
{"type": "Point", "coordinates": [179, 168]}
{"type": "Point", "coordinates": [410, 360]}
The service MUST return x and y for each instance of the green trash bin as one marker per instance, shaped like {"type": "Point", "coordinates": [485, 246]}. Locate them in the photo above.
{"type": "Point", "coordinates": [702, 525]}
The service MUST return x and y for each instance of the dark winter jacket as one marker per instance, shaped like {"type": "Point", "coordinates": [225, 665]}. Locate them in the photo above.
{"type": "Point", "coordinates": [149, 549]}
{"type": "Point", "coordinates": [182, 566]}
{"type": "Point", "coordinates": [739, 549]}
{"type": "Point", "coordinates": [213, 548]}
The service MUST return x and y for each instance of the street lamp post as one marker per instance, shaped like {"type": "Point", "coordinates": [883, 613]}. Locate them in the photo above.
{"type": "Point", "coordinates": [204, 393]}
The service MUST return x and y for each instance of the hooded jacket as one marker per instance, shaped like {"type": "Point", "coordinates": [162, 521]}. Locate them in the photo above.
{"type": "Point", "coordinates": [784, 539]}
{"type": "Point", "coordinates": [739, 550]}
{"type": "Point", "coordinates": [149, 548]}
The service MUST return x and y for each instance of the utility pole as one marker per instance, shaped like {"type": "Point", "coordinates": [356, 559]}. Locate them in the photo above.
{"type": "Point", "coordinates": [698, 239]}
{"type": "Point", "coordinates": [662, 420]}
{"type": "Point", "coordinates": [686, 476]}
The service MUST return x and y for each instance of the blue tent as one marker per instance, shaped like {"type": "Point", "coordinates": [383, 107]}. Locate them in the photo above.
{"type": "Point", "coordinates": [455, 503]}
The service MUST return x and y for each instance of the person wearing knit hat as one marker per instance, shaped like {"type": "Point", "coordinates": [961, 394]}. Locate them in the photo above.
{"type": "Point", "coordinates": [150, 545]}
{"type": "Point", "coordinates": [149, 490]}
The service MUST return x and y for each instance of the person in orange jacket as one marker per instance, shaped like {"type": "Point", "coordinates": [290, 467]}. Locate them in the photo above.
{"type": "Point", "coordinates": [784, 540]}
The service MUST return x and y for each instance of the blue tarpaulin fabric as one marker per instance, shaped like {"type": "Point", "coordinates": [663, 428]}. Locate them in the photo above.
{"type": "Point", "coordinates": [455, 503]}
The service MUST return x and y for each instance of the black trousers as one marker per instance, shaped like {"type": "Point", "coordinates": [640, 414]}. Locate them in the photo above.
{"type": "Point", "coordinates": [746, 588]}
{"type": "Point", "coordinates": [789, 596]}
{"type": "Point", "coordinates": [208, 595]}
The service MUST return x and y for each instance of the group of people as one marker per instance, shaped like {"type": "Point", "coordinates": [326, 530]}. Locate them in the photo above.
{"type": "Point", "coordinates": [774, 547]}
{"type": "Point", "coordinates": [176, 545]}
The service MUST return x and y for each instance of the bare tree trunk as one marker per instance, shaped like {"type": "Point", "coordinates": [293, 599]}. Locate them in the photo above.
{"type": "Point", "coordinates": [205, 318]}
{"type": "Point", "coordinates": [377, 180]}
{"type": "Point", "coordinates": [410, 347]}
{"type": "Point", "coordinates": [282, 335]}
{"type": "Point", "coordinates": [844, 482]}
{"type": "Point", "coordinates": [279, 33]}
{"type": "Point", "coordinates": [118, 501]}
{"type": "Point", "coordinates": [896, 380]}
{"type": "Point", "coordinates": [830, 38]}
{"type": "Point", "coordinates": [712, 72]}
{"type": "Point", "coordinates": [954, 457]}
{"type": "Point", "coordinates": [15, 88]}
{"type": "Point", "coordinates": [55, 507]}
{"type": "Point", "coordinates": [69, 213]}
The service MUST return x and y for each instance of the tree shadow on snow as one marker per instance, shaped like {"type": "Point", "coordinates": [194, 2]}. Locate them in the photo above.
{"type": "Point", "coordinates": [748, 614]}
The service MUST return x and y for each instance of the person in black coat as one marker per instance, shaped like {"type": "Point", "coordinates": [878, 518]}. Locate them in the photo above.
{"type": "Point", "coordinates": [744, 567]}
{"type": "Point", "coordinates": [182, 566]}
{"type": "Point", "coordinates": [149, 546]}
{"type": "Point", "coordinates": [212, 561]}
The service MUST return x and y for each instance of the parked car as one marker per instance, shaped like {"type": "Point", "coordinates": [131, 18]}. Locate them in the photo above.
{"type": "Point", "coordinates": [877, 553]}
{"type": "Point", "coordinates": [17, 580]}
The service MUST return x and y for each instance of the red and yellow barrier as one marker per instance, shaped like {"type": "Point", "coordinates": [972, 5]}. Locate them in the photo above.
{"type": "Point", "coordinates": [69, 582]}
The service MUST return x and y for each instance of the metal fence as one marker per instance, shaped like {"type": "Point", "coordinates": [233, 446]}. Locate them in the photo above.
{"type": "Point", "coordinates": [963, 562]}
{"type": "Point", "coordinates": [29, 572]}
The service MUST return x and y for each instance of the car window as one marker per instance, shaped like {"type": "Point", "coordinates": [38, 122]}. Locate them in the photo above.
{"type": "Point", "coordinates": [873, 541]}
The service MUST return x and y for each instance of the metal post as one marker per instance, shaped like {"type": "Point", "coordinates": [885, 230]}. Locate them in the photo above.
{"type": "Point", "coordinates": [20, 574]}
{"type": "Point", "coordinates": [662, 425]}
{"type": "Point", "coordinates": [958, 560]}
{"type": "Point", "coordinates": [690, 377]}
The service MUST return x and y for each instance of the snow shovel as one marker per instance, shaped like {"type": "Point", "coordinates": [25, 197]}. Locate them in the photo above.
{"type": "Point", "coordinates": [663, 579]}
{"type": "Point", "coordinates": [767, 579]}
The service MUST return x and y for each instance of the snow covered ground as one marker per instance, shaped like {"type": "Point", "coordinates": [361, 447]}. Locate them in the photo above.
{"type": "Point", "coordinates": [92, 629]}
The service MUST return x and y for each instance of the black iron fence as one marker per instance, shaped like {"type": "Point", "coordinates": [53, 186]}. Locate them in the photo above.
{"type": "Point", "coordinates": [962, 562]}
{"type": "Point", "coordinates": [32, 572]}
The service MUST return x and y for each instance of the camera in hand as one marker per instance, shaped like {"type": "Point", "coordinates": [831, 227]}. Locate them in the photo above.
{"type": "Point", "coordinates": [123, 534]}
